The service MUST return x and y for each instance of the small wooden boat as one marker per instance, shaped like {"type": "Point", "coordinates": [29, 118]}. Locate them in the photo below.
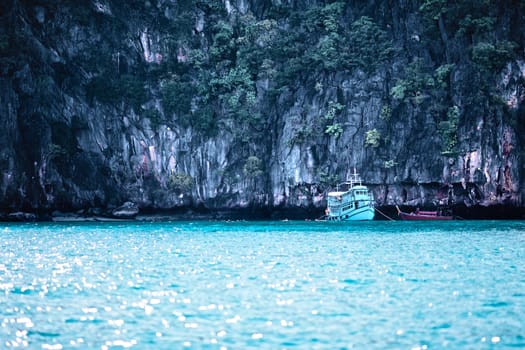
{"type": "Point", "coordinates": [424, 215]}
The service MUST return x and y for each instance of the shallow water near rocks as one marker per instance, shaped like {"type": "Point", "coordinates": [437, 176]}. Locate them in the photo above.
{"type": "Point", "coordinates": [263, 285]}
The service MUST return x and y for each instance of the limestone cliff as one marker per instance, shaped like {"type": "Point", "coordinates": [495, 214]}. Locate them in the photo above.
{"type": "Point", "coordinates": [259, 104]}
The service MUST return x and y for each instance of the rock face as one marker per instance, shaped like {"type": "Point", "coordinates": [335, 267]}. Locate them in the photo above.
{"type": "Point", "coordinates": [126, 211]}
{"type": "Point", "coordinates": [259, 104]}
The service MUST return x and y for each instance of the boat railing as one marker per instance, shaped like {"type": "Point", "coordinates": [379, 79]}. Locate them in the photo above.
{"type": "Point", "coordinates": [351, 181]}
{"type": "Point", "coordinates": [347, 185]}
{"type": "Point", "coordinates": [354, 179]}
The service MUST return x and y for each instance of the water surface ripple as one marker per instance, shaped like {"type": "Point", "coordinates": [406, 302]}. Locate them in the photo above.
{"type": "Point", "coordinates": [263, 285]}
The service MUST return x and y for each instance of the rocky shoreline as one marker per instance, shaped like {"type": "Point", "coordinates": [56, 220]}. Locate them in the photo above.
{"type": "Point", "coordinates": [130, 212]}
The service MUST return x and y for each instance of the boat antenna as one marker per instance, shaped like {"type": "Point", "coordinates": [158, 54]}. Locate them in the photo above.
{"type": "Point", "coordinates": [355, 177]}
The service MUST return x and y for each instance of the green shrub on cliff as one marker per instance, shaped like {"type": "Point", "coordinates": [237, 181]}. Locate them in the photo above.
{"type": "Point", "coordinates": [333, 128]}
{"type": "Point", "coordinates": [102, 89]}
{"type": "Point", "coordinates": [372, 138]}
{"type": "Point", "coordinates": [108, 89]}
{"type": "Point", "coordinates": [368, 46]}
{"type": "Point", "coordinates": [493, 57]}
{"type": "Point", "coordinates": [417, 82]}
{"type": "Point", "coordinates": [131, 88]}
{"type": "Point", "coordinates": [223, 44]}
{"type": "Point", "coordinates": [180, 182]}
{"type": "Point", "coordinates": [176, 99]}
{"type": "Point", "coordinates": [448, 130]}
{"type": "Point", "coordinates": [253, 167]}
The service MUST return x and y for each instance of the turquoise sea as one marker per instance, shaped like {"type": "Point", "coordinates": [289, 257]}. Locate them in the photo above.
{"type": "Point", "coordinates": [263, 285]}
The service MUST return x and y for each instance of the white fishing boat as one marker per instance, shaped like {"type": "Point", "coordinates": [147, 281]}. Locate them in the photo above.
{"type": "Point", "coordinates": [351, 201]}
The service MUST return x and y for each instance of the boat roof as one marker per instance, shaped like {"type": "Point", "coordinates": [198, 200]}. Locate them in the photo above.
{"type": "Point", "coordinates": [340, 193]}
{"type": "Point", "coordinates": [336, 194]}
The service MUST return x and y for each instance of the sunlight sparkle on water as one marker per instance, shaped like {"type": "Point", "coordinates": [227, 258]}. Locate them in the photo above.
{"type": "Point", "coordinates": [263, 285]}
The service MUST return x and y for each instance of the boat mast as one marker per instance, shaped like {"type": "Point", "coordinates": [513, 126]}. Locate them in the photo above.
{"type": "Point", "coordinates": [354, 178]}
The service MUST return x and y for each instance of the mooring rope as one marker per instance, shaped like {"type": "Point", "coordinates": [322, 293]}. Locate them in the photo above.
{"type": "Point", "coordinates": [386, 216]}
{"type": "Point", "coordinates": [322, 218]}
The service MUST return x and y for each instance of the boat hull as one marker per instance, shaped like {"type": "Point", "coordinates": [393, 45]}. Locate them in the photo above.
{"type": "Point", "coordinates": [412, 216]}
{"type": "Point", "coordinates": [361, 214]}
